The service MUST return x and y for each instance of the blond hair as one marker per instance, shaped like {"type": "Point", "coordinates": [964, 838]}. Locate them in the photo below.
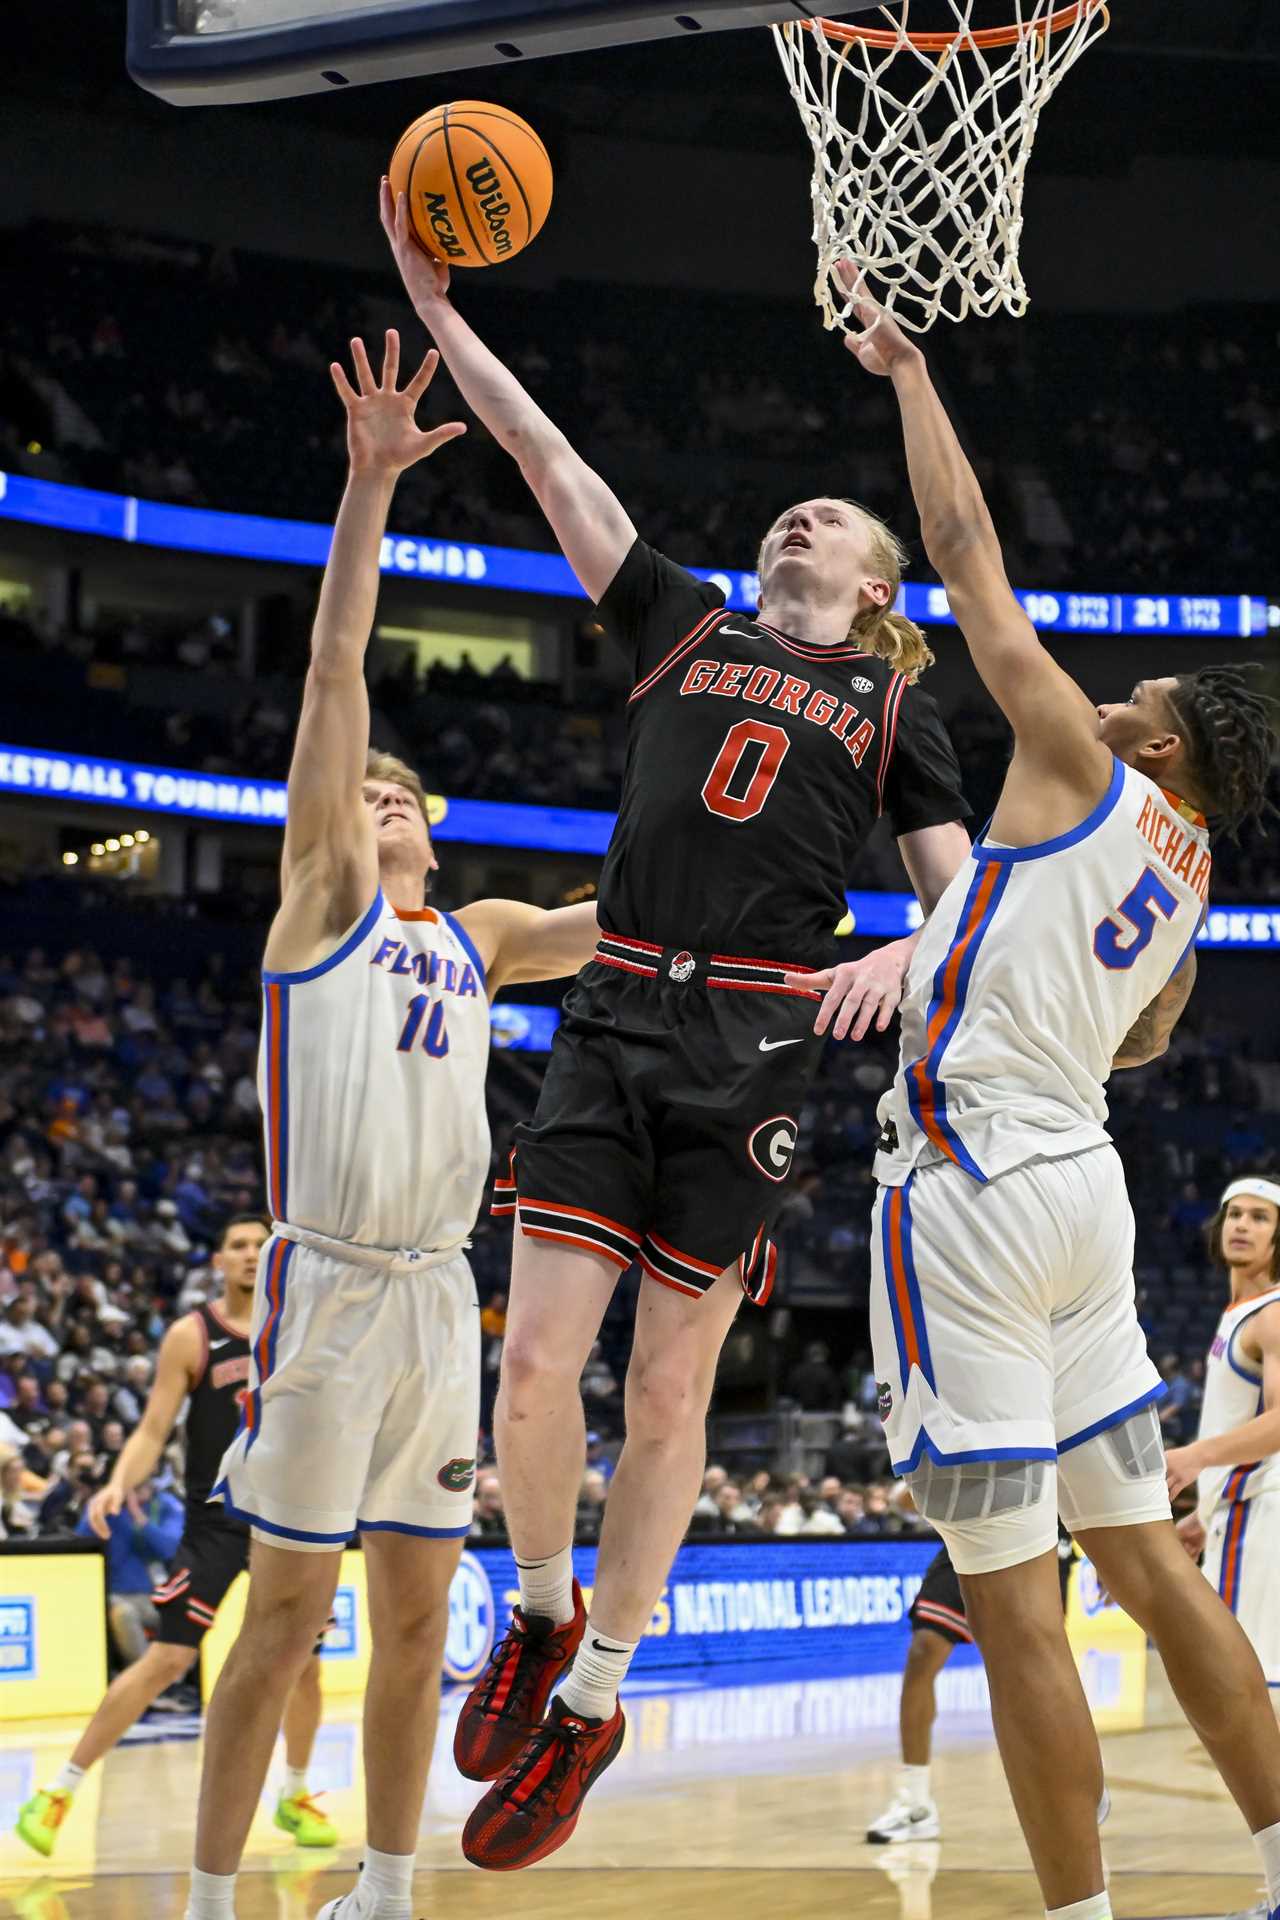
{"type": "Point", "coordinates": [890, 636]}
{"type": "Point", "coordinates": [385, 766]}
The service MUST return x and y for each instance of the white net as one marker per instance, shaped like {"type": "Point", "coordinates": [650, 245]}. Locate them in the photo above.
{"type": "Point", "coordinates": [921, 150]}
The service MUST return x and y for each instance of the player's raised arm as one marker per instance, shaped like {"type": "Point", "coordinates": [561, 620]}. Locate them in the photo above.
{"type": "Point", "coordinates": [594, 531]}
{"type": "Point", "coordinates": [1054, 724]}
{"type": "Point", "coordinates": [1150, 1033]}
{"type": "Point", "coordinates": [330, 862]}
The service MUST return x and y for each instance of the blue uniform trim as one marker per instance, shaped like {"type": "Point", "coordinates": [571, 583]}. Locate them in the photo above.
{"type": "Point", "coordinates": [1062, 841]}
{"type": "Point", "coordinates": [1116, 1419]}
{"type": "Point", "coordinates": [358, 933]}
{"type": "Point", "coordinates": [465, 941]}
{"type": "Point", "coordinates": [936, 1124]}
{"type": "Point", "coordinates": [925, 1445]}
{"type": "Point", "coordinates": [422, 1533]}
{"type": "Point", "coordinates": [270, 1526]}
{"type": "Point", "coordinates": [263, 1350]}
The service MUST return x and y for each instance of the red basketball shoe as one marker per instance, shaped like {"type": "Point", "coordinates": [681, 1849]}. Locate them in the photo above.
{"type": "Point", "coordinates": [510, 1698]}
{"type": "Point", "coordinates": [534, 1807]}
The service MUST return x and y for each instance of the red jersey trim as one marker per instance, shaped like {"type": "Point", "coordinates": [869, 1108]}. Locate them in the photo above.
{"type": "Point", "coordinates": [889, 733]}
{"type": "Point", "coordinates": [681, 647]}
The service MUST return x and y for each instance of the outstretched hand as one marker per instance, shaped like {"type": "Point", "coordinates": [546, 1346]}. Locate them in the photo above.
{"type": "Point", "coordinates": [382, 434]}
{"type": "Point", "coordinates": [426, 279]}
{"type": "Point", "coordinates": [883, 346]}
{"type": "Point", "coordinates": [858, 992]}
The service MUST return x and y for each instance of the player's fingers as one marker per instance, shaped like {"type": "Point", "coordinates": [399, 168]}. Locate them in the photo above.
{"type": "Point", "coordinates": [346, 392]}
{"type": "Point", "coordinates": [391, 361]}
{"type": "Point", "coordinates": [386, 208]}
{"type": "Point", "coordinates": [810, 982]}
{"type": "Point", "coordinates": [364, 372]}
{"type": "Point", "coordinates": [423, 377]}
{"type": "Point", "coordinates": [856, 997]}
{"type": "Point", "coordinates": [888, 1007]}
{"type": "Point", "coordinates": [452, 430]}
{"type": "Point", "coordinates": [830, 1006]}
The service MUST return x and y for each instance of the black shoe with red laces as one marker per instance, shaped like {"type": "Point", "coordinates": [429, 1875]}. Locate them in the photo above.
{"type": "Point", "coordinates": [509, 1700]}
{"type": "Point", "coordinates": [533, 1809]}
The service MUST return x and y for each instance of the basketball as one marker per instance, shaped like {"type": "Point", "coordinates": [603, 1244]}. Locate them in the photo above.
{"type": "Point", "coordinates": [478, 180]}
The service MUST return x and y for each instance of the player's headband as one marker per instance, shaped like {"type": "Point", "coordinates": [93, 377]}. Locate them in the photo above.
{"type": "Point", "coordinates": [1258, 1189]}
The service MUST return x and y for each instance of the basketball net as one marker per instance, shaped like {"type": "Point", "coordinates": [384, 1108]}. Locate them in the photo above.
{"type": "Point", "coordinates": [921, 143]}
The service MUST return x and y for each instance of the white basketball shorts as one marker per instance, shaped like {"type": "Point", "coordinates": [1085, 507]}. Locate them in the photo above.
{"type": "Point", "coordinates": [364, 1395]}
{"type": "Point", "coordinates": [1242, 1560]}
{"type": "Point", "coordinates": [1002, 1315]}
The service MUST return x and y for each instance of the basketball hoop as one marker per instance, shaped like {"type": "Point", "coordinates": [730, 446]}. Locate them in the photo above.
{"type": "Point", "coordinates": [921, 182]}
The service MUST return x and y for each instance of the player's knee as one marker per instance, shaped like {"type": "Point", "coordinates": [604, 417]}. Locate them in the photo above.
{"type": "Point", "coordinates": [926, 1654]}
{"type": "Point", "coordinates": [414, 1635]}
{"type": "Point", "coordinates": [535, 1370]}
{"type": "Point", "coordinates": [172, 1662]}
{"type": "Point", "coordinates": [665, 1392]}
{"type": "Point", "coordinates": [281, 1626]}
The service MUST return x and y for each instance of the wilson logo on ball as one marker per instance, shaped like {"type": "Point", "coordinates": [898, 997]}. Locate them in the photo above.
{"type": "Point", "coordinates": [484, 184]}
{"type": "Point", "coordinates": [773, 1144]}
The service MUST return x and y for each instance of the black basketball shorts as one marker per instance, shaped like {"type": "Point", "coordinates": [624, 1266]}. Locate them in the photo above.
{"type": "Point", "coordinates": [939, 1605]}
{"type": "Point", "coordinates": [666, 1127]}
{"type": "Point", "coordinates": [210, 1555]}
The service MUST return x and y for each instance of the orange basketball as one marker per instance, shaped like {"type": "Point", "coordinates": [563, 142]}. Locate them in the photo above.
{"type": "Point", "coordinates": [478, 180]}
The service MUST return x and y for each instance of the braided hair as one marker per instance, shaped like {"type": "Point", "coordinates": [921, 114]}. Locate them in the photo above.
{"type": "Point", "coordinates": [1229, 729]}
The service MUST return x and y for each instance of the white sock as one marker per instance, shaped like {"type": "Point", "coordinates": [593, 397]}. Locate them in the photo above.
{"type": "Point", "coordinates": [913, 1784]}
{"type": "Point", "coordinates": [599, 1668]}
{"type": "Point", "coordinates": [212, 1896]}
{"type": "Point", "coordinates": [385, 1886]}
{"type": "Point", "coordinates": [69, 1779]}
{"type": "Point", "coordinates": [546, 1586]}
{"type": "Point", "coordinates": [295, 1781]}
{"type": "Point", "coordinates": [1268, 1845]}
{"type": "Point", "coordinates": [1096, 1907]}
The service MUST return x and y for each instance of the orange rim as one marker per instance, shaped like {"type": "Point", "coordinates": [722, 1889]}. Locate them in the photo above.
{"type": "Point", "coordinates": [941, 42]}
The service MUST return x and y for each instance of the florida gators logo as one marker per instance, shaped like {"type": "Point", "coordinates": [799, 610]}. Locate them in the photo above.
{"type": "Point", "coordinates": [457, 1475]}
{"type": "Point", "coordinates": [772, 1146]}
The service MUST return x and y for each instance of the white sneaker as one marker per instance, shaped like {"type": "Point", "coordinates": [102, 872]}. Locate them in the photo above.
{"type": "Point", "coordinates": [347, 1907]}
{"type": "Point", "coordinates": [901, 1821]}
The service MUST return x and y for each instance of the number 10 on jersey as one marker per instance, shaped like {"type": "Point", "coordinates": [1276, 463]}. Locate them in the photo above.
{"type": "Point", "coordinates": [435, 1040]}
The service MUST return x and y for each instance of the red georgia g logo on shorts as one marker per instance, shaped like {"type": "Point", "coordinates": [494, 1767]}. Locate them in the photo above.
{"type": "Point", "coordinates": [772, 1146]}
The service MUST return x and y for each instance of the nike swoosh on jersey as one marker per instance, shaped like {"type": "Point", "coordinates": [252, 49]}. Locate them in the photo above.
{"type": "Point", "coordinates": [215, 1344]}
{"type": "Point", "coordinates": [736, 633]}
{"type": "Point", "coordinates": [770, 1046]}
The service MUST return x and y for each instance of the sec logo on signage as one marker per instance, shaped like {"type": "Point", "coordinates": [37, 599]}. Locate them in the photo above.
{"type": "Point", "coordinates": [472, 1618]}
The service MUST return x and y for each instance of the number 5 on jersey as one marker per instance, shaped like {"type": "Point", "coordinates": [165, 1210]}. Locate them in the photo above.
{"type": "Point", "coordinates": [1138, 909]}
{"type": "Point", "coordinates": [435, 1040]}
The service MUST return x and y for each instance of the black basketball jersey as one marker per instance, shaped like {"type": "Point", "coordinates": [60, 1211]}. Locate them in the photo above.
{"type": "Point", "coordinates": [213, 1411]}
{"type": "Point", "coordinates": [757, 764]}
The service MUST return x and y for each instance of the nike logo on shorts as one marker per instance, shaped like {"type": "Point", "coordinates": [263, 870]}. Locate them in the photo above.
{"type": "Point", "coordinates": [771, 1046]}
{"type": "Point", "coordinates": [215, 1344]}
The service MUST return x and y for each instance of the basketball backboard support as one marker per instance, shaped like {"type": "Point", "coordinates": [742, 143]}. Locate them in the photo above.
{"type": "Point", "coordinates": [206, 52]}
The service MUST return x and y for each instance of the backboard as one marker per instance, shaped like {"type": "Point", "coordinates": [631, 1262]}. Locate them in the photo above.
{"type": "Point", "coordinates": [203, 52]}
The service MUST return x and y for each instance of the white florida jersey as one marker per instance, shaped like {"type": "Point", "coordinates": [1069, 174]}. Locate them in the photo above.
{"type": "Point", "coordinates": [371, 1074]}
{"type": "Point", "coordinates": [1232, 1396]}
{"type": "Point", "coordinates": [1030, 972]}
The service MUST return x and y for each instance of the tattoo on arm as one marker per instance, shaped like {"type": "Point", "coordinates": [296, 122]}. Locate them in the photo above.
{"type": "Point", "coordinates": [1148, 1037]}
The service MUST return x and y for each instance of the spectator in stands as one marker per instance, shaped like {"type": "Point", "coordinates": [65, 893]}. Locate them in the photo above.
{"type": "Point", "coordinates": [592, 1496]}
{"type": "Point", "coordinates": [18, 1517]}
{"type": "Point", "coordinates": [819, 1517]}
{"type": "Point", "coordinates": [144, 1539]}
{"type": "Point", "coordinates": [600, 1386]}
{"type": "Point", "coordinates": [812, 1383]}
{"type": "Point", "coordinates": [598, 1457]}
{"type": "Point", "coordinates": [65, 1502]}
{"type": "Point", "coordinates": [488, 1520]}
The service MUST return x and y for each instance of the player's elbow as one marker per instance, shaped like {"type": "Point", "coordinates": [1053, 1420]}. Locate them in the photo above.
{"type": "Point", "coordinates": [954, 538]}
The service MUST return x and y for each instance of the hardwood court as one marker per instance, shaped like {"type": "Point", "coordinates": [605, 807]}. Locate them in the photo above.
{"type": "Point", "coordinates": [733, 1802]}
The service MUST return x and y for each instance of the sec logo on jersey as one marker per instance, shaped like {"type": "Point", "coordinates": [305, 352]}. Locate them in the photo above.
{"type": "Point", "coordinates": [772, 1146]}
